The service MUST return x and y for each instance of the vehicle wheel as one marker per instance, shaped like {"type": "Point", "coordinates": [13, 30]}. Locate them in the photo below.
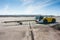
{"type": "Point", "coordinates": [20, 23]}
{"type": "Point", "coordinates": [45, 21]}
{"type": "Point", "coordinates": [53, 20]}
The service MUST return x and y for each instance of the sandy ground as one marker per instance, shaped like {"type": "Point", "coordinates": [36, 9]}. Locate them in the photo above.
{"type": "Point", "coordinates": [14, 31]}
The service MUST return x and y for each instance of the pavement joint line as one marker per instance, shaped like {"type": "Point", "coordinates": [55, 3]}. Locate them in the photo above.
{"type": "Point", "coordinates": [32, 35]}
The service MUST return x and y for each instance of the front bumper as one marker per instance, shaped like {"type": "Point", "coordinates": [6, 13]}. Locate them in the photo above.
{"type": "Point", "coordinates": [37, 21]}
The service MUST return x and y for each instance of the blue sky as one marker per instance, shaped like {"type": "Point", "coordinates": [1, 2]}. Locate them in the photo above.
{"type": "Point", "coordinates": [29, 7]}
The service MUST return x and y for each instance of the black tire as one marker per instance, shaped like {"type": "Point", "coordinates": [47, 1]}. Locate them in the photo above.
{"type": "Point", "coordinates": [20, 23]}
{"type": "Point", "coordinates": [45, 21]}
{"type": "Point", "coordinates": [53, 20]}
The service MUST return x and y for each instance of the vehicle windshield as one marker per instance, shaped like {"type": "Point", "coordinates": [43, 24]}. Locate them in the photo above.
{"type": "Point", "coordinates": [39, 17]}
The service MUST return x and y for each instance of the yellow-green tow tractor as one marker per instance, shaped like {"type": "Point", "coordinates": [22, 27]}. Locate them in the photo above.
{"type": "Point", "coordinates": [45, 19]}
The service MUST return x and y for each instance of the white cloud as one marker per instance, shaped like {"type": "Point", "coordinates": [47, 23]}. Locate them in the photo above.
{"type": "Point", "coordinates": [26, 1]}
{"type": "Point", "coordinates": [29, 10]}
{"type": "Point", "coordinates": [6, 11]}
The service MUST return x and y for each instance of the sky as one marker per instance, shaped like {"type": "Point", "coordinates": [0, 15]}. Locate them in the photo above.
{"type": "Point", "coordinates": [30, 7]}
